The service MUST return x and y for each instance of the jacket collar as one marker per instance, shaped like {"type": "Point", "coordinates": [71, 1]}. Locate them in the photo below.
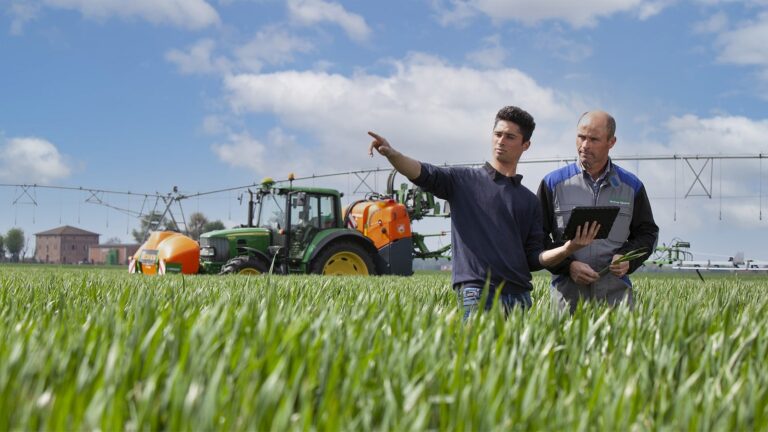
{"type": "Point", "coordinates": [609, 176]}
{"type": "Point", "coordinates": [495, 175]}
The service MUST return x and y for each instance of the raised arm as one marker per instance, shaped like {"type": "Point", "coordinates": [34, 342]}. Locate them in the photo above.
{"type": "Point", "coordinates": [406, 166]}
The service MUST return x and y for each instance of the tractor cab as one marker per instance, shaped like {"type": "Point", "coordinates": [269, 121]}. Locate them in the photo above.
{"type": "Point", "coordinates": [294, 219]}
{"type": "Point", "coordinates": [290, 230]}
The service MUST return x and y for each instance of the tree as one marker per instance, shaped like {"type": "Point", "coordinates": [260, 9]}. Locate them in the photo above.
{"type": "Point", "coordinates": [113, 240]}
{"type": "Point", "coordinates": [14, 242]}
{"type": "Point", "coordinates": [2, 249]}
{"type": "Point", "coordinates": [213, 226]}
{"type": "Point", "coordinates": [197, 222]}
{"type": "Point", "coordinates": [153, 221]}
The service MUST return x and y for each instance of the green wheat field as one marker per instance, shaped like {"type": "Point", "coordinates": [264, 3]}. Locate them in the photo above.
{"type": "Point", "coordinates": [89, 348]}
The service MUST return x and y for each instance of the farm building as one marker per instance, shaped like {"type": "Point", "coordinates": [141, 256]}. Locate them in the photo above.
{"type": "Point", "coordinates": [111, 253]}
{"type": "Point", "coordinates": [64, 245]}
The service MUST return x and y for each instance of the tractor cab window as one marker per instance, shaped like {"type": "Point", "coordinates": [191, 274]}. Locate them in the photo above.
{"type": "Point", "coordinates": [327, 213]}
{"type": "Point", "coordinates": [309, 215]}
{"type": "Point", "coordinates": [304, 210]}
{"type": "Point", "coordinates": [272, 212]}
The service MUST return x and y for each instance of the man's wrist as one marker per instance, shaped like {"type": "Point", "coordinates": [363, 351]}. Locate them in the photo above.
{"type": "Point", "coordinates": [570, 247]}
{"type": "Point", "coordinates": [393, 154]}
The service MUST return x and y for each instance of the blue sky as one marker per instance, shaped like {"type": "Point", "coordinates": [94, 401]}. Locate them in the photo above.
{"type": "Point", "coordinates": [145, 95]}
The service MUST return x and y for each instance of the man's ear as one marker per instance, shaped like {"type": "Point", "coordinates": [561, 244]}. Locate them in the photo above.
{"type": "Point", "coordinates": [611, 142]}
{"type": "Point", "coordinates": [526, 145]}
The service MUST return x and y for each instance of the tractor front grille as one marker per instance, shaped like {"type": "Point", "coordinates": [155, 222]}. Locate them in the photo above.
{"type": "Point", "coordinates": [220, 246]}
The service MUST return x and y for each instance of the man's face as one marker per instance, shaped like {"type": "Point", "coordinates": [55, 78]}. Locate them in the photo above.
{"type": "Point", "coordinates": [593, 142]}
{"type": "Point", "coordinates": [508, 144]}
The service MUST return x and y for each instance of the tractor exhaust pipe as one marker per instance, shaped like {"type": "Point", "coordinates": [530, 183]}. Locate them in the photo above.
{"type": "Point", "coordinates": [250, 209]}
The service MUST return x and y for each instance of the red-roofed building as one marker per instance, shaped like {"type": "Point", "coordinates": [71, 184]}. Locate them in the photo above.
{"type": "Point", "coordinates": [64, 245]}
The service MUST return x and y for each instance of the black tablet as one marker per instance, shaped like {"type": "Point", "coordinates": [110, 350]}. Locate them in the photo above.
{"type": "Point", "coordinates": [604, 215]}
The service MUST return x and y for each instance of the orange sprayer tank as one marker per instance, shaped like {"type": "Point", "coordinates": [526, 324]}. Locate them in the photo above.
{"type": "Point", "coordinates": [382, 221]}
{"type": "Point", "coordinates": [167, 251]}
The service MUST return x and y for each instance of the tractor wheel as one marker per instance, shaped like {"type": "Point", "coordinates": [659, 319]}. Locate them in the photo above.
{"type": "Point", "coordinates": [245, 265]}
{"type": "Point", "coordinates": [343, 258]}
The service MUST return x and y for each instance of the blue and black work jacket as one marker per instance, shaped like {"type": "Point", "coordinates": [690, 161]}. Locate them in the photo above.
{"type": "Point", "coordinates": [566, 188]}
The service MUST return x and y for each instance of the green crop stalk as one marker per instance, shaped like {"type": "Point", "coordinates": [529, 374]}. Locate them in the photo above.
{"type": "Point", "coordinates": [629, 256]}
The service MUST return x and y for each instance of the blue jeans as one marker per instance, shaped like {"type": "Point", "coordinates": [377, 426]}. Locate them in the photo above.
{"type": "Point", "coordinates": [470, 297]}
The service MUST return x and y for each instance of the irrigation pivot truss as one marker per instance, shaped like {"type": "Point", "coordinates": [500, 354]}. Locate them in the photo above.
{"type": "Point", "coordinates": [25, 194]}
{"type": "Point", "coordinates": [700, 168]}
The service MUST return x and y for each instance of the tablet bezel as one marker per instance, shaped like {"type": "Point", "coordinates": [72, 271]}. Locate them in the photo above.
{"type": "Point", "coordinates": [604, 215]}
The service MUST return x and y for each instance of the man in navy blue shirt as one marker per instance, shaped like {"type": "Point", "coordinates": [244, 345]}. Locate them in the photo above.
{"type": "Point", "coordinates": [496, 222]}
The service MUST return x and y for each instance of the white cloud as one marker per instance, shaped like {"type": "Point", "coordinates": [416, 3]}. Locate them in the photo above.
{"type": "Point", "coordinates": [241, 150]}
{"type": "Point", "coordinates": [191, 14]}
{"type": "Point", "coordinates": [311, 12]}
{"type": "Point", "coordinates": [272, 46]}
{"type": "Point", "coordinates": [563, 47]}
{"type": "Point", "coordinates": [746, 45]}
{"type": "Point", "coordinates": [199, 59]}
{"type": "Point", "coordinates": [740, 2]}
{"type": "Point", "coordinates": [715, 24]}
{"type": "Point", "coordinates": [21, 13]}
{"type": "Point", "coordinates": [721, 134]}
{"type": "Point", "coordinates": [430, 110]}
{"type": "Point", "coordinates": [458, 13]}
{"type": "Point", "coordinates": [214, 124]}
{"type": "Point", "coordinates": [649, 9]}
{"type": "Point", "coordinates": [32, 160]}
{"type": "Point", "coordinates": [277, 154]}
{"type": "Point", "coordinates": [492, 55]}
{"type": "Point", "coordinates": [578, 14]}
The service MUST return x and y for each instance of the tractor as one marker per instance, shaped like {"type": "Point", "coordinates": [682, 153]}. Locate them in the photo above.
{"type": "Point", "coordinates": [300, 230]}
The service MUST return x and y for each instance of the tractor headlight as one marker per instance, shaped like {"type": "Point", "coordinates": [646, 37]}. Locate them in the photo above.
{"type": "Point", "coordinates": [208, 251]}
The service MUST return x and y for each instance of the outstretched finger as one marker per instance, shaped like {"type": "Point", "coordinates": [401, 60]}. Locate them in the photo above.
{"type": "Point", "coordinates": [377, 141]}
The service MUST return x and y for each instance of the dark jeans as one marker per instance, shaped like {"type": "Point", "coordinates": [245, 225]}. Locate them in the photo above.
{"type": "Point", "coordinates": [470, 298]}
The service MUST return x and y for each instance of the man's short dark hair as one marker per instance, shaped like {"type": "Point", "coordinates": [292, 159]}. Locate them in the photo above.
{"type": "Point", "coordinates": [518, 116]}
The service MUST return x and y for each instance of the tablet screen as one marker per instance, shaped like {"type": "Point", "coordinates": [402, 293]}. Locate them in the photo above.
{"type": "Point", "coordinates": [604, 215]}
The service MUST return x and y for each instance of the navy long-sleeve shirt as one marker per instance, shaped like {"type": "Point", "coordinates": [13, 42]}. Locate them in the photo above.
{"type": "Point", "coordinates": [496, 225]}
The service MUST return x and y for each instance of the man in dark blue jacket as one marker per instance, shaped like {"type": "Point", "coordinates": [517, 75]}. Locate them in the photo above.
{"type": "Point", "coordinates": [496, 222]}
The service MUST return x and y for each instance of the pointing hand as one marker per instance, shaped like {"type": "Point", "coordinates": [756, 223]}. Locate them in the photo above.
{"type": "Point", "coordinates": [381, 145]}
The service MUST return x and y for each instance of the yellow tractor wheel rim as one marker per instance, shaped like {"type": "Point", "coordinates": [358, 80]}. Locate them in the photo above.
{"type": "Point", "coordinates": [249, 271]}
{"type": "Point", "coordinates": [345, 263]}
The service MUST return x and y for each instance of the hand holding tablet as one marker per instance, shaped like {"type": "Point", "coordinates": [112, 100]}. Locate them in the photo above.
{"type": "Point", "coordinates": [604, 215]}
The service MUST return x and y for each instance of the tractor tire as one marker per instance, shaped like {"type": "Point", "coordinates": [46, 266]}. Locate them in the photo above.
{"type": "Point", "coordinates": [343, 258]}
{"type": "Point", "coordinates": [245, 265]}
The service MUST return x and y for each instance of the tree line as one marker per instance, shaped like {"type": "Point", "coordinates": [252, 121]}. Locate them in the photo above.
{"type": "Point", "coordinates": [196, 226]}
{"type": "Point", "coordinates": [12, 244]}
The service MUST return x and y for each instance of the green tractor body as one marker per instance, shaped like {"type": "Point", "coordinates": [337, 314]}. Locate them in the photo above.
{"type": "Point", "coordinates": [291, 230]}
